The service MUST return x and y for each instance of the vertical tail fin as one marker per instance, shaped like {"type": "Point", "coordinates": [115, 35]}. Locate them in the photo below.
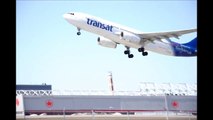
{"type": "Point", "coordinates": [192, 43]}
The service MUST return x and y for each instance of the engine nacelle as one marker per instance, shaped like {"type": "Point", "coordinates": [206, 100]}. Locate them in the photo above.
{"type": "Point", "coordinates": [130, 37]}
{"type": "Point", "coordinates": [106, 42]}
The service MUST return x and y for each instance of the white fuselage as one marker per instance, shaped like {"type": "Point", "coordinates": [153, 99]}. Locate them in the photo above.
{"type": "Point", "coordinates": [81, 20]}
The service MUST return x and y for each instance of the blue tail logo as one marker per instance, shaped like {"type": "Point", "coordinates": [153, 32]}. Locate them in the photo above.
{"type": "Point", "coordinates": [192, 43]}
{"type": "Point", "coordinates": [186, 49]}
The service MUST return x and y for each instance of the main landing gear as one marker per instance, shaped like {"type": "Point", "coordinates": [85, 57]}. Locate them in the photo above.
{"type": "Point", "coordinates": [144, 53]}
{"type": "Point", "coordinates": [127, 52]}
{"type": "Point", "coordinates": [78, 33]}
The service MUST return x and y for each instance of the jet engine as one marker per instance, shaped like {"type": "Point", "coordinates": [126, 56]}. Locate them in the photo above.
{"type": "Point", "coordinates": [106, 42]}
{"type": "Point", "coordinates": [130, 37]}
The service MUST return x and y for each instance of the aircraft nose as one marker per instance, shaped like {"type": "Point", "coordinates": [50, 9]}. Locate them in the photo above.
{"type": "Point", "coordinates": [66, 16]}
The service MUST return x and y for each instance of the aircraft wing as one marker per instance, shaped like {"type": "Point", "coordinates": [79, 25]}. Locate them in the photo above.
{"type": "Point", "coordinates": [165, 35]}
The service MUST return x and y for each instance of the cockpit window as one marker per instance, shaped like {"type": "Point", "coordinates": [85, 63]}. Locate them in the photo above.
{"type": "Point", "coordinates": [71, 13]}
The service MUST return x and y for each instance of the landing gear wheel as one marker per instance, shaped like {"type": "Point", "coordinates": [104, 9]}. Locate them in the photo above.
{"type": "Point", "coordinates": [145, 53]}
{"type": "Point", "coordinates": [126, 52]}
{"type": "Point", "coordinates": [130, 55]}
{"type": "Point", "coordinates": [141, 49]}
{"type": "Point", "coordinates": [78, 33]}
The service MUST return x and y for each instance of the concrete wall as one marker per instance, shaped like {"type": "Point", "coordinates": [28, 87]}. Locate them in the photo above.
{"type": "Point", "coordinates": [188, 103]}
{"type": "Point", "coordinates": [75, 102]}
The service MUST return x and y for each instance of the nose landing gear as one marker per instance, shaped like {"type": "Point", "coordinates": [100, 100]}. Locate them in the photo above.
{"type": "Point", "coordinates": [78, 33]}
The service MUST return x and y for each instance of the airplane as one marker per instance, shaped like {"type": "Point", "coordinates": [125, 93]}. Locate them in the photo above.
{"type": "Point", "coordinates": [112, 34]}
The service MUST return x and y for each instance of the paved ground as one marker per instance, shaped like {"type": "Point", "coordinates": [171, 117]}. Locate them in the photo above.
{"type": "Point", "coordinates": [105, 117]}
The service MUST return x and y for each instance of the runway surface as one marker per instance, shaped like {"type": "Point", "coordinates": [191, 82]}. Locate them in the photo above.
{"type": "Point", "coordinates": [106, 117]}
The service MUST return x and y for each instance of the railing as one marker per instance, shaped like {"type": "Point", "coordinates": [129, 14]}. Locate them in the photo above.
{"type": "Point", "coordinates": [98, 92]}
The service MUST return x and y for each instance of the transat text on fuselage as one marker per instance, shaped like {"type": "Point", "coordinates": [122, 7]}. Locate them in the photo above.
{"type": "Point", "coordinates": [99, 24]}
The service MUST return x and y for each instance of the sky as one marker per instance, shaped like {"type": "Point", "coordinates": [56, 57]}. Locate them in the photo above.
{"type": "Point", "coordinates": [49, 51]}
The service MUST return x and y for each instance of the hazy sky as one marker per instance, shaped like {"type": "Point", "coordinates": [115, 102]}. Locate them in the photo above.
{"type": "Point", "coordinates": [49, 51]}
